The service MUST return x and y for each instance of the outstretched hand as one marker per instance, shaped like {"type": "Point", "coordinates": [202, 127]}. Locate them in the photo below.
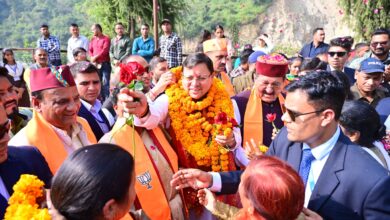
{"type": "Point", "coordinates": [133, 102]}
{"type": "Point", "coordinates": [194, 178]}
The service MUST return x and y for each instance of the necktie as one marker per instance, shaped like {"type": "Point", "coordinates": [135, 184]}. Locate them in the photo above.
{"type": "Point", "coordinates": [304, 167]}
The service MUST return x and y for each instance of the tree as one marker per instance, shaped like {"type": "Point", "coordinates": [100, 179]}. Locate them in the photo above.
{"type": "Point", "coordinates": [131, 12]}
{"type": "Point", "coordinates": [367, 15]}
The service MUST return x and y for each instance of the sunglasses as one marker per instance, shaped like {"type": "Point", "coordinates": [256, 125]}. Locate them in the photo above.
{"type": "Point", "coordinates": [339, 54]}
{"type": "Point", "coordinates": [375, 44]}
{"type": "Point", "coordinates": [293, 115]}
{"type": "Point", "coordinates": [4, 128]}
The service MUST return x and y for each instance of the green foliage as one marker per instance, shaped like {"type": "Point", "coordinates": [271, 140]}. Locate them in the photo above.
{"type": "Point", "coordinates": [205, 14]}
{"type": "Point", "coordinates": [109, 12]}
{"type": "Point", "coordinates": [20, 20]}
{"type": "Point", "coordinates": [367, 15]}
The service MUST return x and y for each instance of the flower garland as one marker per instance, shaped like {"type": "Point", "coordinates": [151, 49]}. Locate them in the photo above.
{"type": "Point", "coordinates": [23, 202]}
{"type": "Point", "coordinates": [192, 122]}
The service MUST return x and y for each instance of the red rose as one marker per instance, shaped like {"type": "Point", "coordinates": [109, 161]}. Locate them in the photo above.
{"type": "Point", "coordinates": [221, 118]}
{"type": "Point", "coordinates": [128, 72]}
{"type": "Point", "coordinates": [271, 117]}
{"type": "Point", "coordinates": [234, 122]}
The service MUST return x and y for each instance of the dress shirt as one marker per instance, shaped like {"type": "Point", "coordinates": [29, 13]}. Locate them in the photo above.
{"type": "Point", "coordinates": [52, 47]}
{"type": "Point", "coordinates": [120, 47]}
{"type": "Point", "coordinates": [144, 47]}
{"type": "Point", "coordinates": [3, 189]}
{"type": "Point", "coordinates": [321, 154]}
{"type": "Point", "coordinates": [171, 49]}
{"type": "Point", "coordinates": [76, 140]}
{"type": "Point", "coordinates": [94, 109]}
{"type": "Point", "coordinates": [310, 51]}
{"type": "Point", "coordinates": [75, 42]}
{"type": "Point", "coordinates": [100, 46]}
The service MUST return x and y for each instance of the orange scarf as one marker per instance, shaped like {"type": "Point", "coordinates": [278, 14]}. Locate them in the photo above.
{"type": "Point", "coordinates": [41, 135]}
{"type": "Point", "coordinates": [228, 85]}
{"type": "Point", "coordinates": [253, 120]}
{"type": "Point", "coordinates": [151, 195]}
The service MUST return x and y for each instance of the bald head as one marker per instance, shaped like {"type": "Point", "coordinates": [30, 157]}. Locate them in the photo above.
{"type": "Point", "coordinates": [136, 58]}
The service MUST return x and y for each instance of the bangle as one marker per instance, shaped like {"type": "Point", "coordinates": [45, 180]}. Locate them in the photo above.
{"type": "Point", "coordinates": [145, 113]}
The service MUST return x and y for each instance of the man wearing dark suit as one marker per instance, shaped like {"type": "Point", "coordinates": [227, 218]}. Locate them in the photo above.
{"type": "Point", "coordinates": [88, 85]}
{"type": "Point", "coordinates": [342, 181]}
{"type": "Point", "coordinates": [15, 161]}
{"type": "Point", "coordinates": [338, 56]}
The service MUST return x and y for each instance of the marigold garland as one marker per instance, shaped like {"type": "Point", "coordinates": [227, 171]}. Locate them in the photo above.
{"type": "Point", "coordinates": [23, 202]}
{"type": "Point", "coordinates": [192, 122]}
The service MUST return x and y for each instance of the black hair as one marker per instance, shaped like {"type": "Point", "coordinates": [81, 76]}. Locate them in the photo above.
{"type": "Point", "coordinates": [44, 26]}
{"type": "Point", "coordinates": [83, 67]}
{"type": "Point", "coordinates": [360, 116]}
{"type": "Point", "coordinates": [74, 25]}
{"type": "Point", "coordinates": [312, 64]}
{"type": "Point", "coordinates": [98, 26]}
{"type": "Point", "coordinates": [218, 26]}
{"type": "Point", "coordinates": [293, 59]}
{"type": "Point", "coordinates": [119, 23]}
{"type": "Point", "coordinates": [90, 177]}
{"type": "Point", "coordinates": [198, 58]}
{"type": "Point", "coordinates": [145, 24]}
{"type": "Point", "coordinates": [115, 92]}
{"type": "Point", "coordinates": [205, 35]}
{"type": "Point", "coordinates": [344, 42]}
{"type": "Point", "coordinates": [317, 29]}
{"type": "Point", "coordinates": [324, 90]}
{"type": "Point", "coordinates": [381, 31]}
{"type": "Point", "coordinates": [78, 50]}
{"type": "Point", "coordinates": [360, 45]}
{"type": "Point", "coordinates": [7, 50]}
{"type": "Point", "coordinates": [4, 74]}
{"type": "Point", "coordinates": [343, 78]}
{"type": "Point", "coordinates": [155, 61]}
{"type": "Point", "coordinates": [245, 55]}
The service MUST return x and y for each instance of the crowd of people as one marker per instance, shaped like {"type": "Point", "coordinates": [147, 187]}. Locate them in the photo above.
{"type": "Point", "coordinates": [124, 131]}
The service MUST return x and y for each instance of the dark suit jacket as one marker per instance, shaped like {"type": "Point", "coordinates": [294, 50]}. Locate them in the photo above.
{"type": "Point", "coordinates": [349, 72]}
{"type": "Point", "coordinates": [352, 185]}
{"type": "Point", "coordinates": [87, 115]}
{"type": "Point", "coordinates": [22, 160]}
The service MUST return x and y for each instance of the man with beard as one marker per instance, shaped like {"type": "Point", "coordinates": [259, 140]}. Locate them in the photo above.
{"type": "Point", "coordinates": [251, 107]}
{"type": "Point", "coordinates": [216, 50]}
{"type": "Point", "coordinates": [161, 77]}
{"type": "Point", "coordinates": [9, 99]}
{"type": "Point", "coordinates": [368, 82]}
{"type": "Point", "coordinates": [88, 85]}
{"type": "Point", "coordinates": [54, 128]}
{"type": "Point", "coordinates": [317, 46]}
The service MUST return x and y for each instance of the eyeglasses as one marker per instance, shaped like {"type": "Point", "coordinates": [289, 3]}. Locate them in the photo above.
{"type": "Point", "coordinates": [375, 44]}
{"type": "Point", "coordinates": [339, 54]}
{"type": "Point", "coordinates": [293, 115]}
{"type": "Point", "coordinates": [4, 128]}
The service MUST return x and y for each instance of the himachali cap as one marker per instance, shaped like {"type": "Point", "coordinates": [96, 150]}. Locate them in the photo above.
{"type": "Point", "coordinates": [371, 65]}
{"type": "Point", "coordinates": [50, 78]}
{"type": "Point", "coordinates": [215, 45]}
{"type": "Point", "coordinates": [273, 65]}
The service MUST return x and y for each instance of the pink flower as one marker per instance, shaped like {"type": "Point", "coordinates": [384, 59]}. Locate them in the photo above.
{"type": "Point", "coordinates": [376, 11]}
{"type": "Point", "coordinates": [341, 12]}
{"type": "Point", "coordinates": [365, 2]}
{"type": "Point", "coordinates": [237, 46]}
{"type": "Point", "coordinates": [281, 30]}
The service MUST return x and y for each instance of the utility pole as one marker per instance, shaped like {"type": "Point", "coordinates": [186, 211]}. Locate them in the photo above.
{"type": "Point", "coordinates": [155, 21]}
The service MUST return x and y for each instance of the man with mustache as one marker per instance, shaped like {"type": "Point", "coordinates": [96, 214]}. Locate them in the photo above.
{"type": "Point", "coordinates": [40, 61]}
{"type": "Point", "coordinates": [88, 85]}
{"type": "Point", "coordinates": [15, 161]}
{"type": "Point", "coordinates": [54, 128]}
{"type": "Point", "coordinates": [251, 107]}
{"type": "Point", "coordinates": [9, 99]}
{"type": "Point", "coordinates": [216, 50]}
{"type": "Point", "coordinates": [368, 82]}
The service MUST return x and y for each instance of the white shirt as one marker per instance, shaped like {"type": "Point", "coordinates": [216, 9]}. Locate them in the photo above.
{"type": "Point", "coordinates": [73, 43]}
{"type": "Point", "coordinates": [3, 189]}
{"type": "Point", "coordinates": [321, 154]}
{"type": "Point", "coordinates": [158, 113]}
{"type": "Point", "coordinates": [94, 109]}
{"type": "Point", "coordinates": [15, 71]}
